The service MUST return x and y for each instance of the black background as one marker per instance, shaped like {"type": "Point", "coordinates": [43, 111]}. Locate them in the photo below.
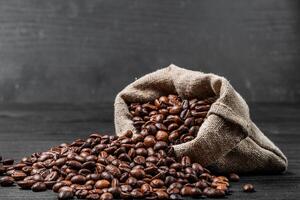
{"type": "Point", "coordinates": [87, 51]}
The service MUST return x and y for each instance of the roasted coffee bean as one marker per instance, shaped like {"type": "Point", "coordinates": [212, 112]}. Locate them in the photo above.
{"type": "Point", "coordinates": [18, 175]}
{"type": "Point", "coordinates": [106, 196]}
{"type": "Point", "coordinates": [78, 179]}
{"type": "Point", "coordinates": [234, 177]}
{"type": "Point", "coordinates": [2, 169]}
{"type": "Point", "coordinates": [8, 161]}
{"type": "Point", "coordinates": [26, 185]}
{"type": "Point", "coordinates": [213, 193]}
{"type": "Point", "coordinates": [6, 181]}
{"type": "Point", "coordinates": [138, 173]}
{"type": "Point", "coordinates": [102, 184]}
{"type": "Point", "coordinates": [115, 191]}
{"type": "Point", "coordinates": [65, 195]}
{"type": "Point", "coordinates": [149, 141]}
{"type": "Point", "coordinates": [74, 164]}
{"type": "Point", "coordinates": [113, 170]}
{"type": "Point", "coordinates": [162, 136]}
{"type": "Point", "coordinates": [38, 187]}
{"type": "Point", "coordinates": [136, 193]}
{"type": "Point", "coordinates": [160, 145]}
{"type": "Point", "coordinates": [176, 196]}
{"type": "Point", "coordinates": [157, 183]}
{"type": "Point", "coordinates": [81, 194]}
{"type": "Point", "coordinates": [248, 188]}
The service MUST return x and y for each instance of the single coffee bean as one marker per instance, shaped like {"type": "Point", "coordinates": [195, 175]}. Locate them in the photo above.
{"type": "Point", "coordinates": [136, 193]}
{"type": "Point", "coordinates": [26, 185]}
{"type": "Point", "coordinates": [149, 141]}
{"type": "Point", "coordinates": [6, 181]}
{"type": "Point", "coordinates": [213, 193]}
{"type": "Point", "coordinates": [8, 161]}
{"type": "Point", "coordinates": [65, 195]}
{"type": "Point", "coordinates": [53, 176]}
{"type": "Point", "coordinates": [113, 170]}
{"type": "Point", "coordinates": [38, 178]}
{"type": "Point", "coordinates": [81, 194]}
{"type": "Point", "coordinates": [18, 175]}
{"type": "Point", "coordinates": [106, 196]}
{"type": "Point", "coordinates": [138, 173]}
{"type": "Point", "coordinates": [39, 187]}
{"type": "Point", "coordinates": [176, 196]}
{"type": "Point", "coordinates": [157, 183]}
{"type": "Point", "coordinates": [102, 184]}
{"type": "Point", "coordinates": [160, 145]}
{"type": "Point", "coordinates": [234, 177]}
{"type": "Point", "coordinates": [78, 179]}
{"type": "Point", "coordinates": [248, 188]}
{"type": "Point", "coordinates": [162, 136]}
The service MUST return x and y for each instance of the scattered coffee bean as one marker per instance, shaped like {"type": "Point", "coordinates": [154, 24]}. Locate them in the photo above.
{"type": "Point", "coordinates": [39, 187]}
{"type": "Point", "coordinates": [6, 181]}
{"type": "Point", "coordinates": [234, 177]}
{"type": "Point", "coordinates": [65, 195]}
{"type": "Point", "coordinates": [248, 188]}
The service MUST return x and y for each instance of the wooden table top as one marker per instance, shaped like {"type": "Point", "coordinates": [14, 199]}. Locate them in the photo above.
{"type": "Point", "coordinates": [25, 129]}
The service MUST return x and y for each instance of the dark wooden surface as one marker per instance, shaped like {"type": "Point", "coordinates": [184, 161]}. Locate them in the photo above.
{"type": "Point", "coordinates": [25, 129]}
{"type": "Point", "coordinates": [87, 51]}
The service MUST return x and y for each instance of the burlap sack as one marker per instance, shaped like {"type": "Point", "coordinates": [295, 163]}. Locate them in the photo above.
{"type": "Point", "coordinates": [228, 141]}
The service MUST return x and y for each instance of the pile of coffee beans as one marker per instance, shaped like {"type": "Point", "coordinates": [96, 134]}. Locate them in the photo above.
{"type": "Point", "coordinates": [131, 166]}
{"type": "Point", "coordinates": [170, 119]}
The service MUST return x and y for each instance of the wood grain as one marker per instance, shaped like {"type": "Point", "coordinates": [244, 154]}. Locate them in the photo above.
{"type": "Point", "coordinates": [25, 129]}
{"type": "Point", "coordinates": [86, 51]}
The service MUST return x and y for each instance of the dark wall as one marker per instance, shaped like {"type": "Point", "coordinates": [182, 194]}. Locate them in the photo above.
{"type": "Point", "coordinates": [86, 51]}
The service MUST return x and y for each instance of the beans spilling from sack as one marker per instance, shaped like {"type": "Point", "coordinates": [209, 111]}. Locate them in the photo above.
{"type": "Point", "coordinates": [131, 166]}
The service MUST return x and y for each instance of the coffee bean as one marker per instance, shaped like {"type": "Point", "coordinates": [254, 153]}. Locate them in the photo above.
{"type": "Point", "coordinates": [53, 176]}
{"type": "Point", "coordinates": [81, 194]}
{"type": "Point", "coordinates": [213, 193]}
{"type": "Point", "coordinates": [2, 169]}
{"type": "Point", "coordinates": [234, 177]}
{"type": "Point", "coordinates": [138, 173]}
{"type": "Point", "coordinates": [8, 162]}
{"type": "Point", "coordinates": [78, 179]}
{"type": "Point", "coordinates": [74, 164]}
{"type": "Point", "coordinates": [175, 110]}
{"type": "Point", "coordinates": [26, 185]}
{"type": "Point", "coordinates": [176, 196]}
{"type": "Point", "coordinates": [149, 141]}
{"type": "Point", "coordinates": [102, 184]}
{"type": "Point", "coordinates": [39, 187]}
{"type": "Point", "coordinates": [160, 145]}
{"type": "Point", "coordinates": [38, 178]}
{"type": "Point", "coordinates": [162, 136]}
{"type": "Point", "coordinates": [115, 191]}
{"type": "Point", "coordinates": [186, 161]}
{"type": "Point", "coordinates": [161, 194]}
{"type": "Point", "coordinates": [6, 181]}
{"type": "Point", "coordinates": [106, 196]}
{"type": "Point", "coordinates": [113, 170]}
{"type": "Point", "coordinates": [248, 188]}
{"type": "Point", "coordinates": [64, 195]}
{"type": "Point", "coordinates": [136, 193]}
{"type": "Point", "coordinates": [157, 183]}
{"type": "Point", "coordinates": [18, 175]}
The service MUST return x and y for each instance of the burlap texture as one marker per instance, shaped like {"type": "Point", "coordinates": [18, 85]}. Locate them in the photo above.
{"type": "Point", "coordinates": [228, 141]}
